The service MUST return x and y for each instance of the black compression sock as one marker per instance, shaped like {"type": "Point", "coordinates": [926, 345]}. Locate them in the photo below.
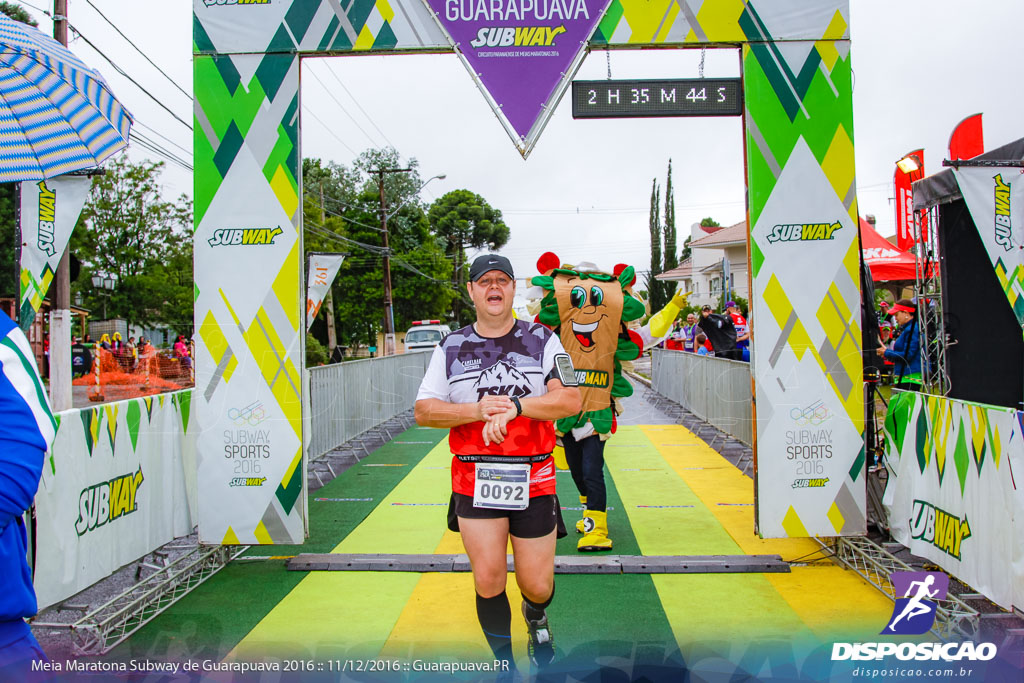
{"type": "Point", "coordinates": [495, 617]}
{"type": "Point", "coordinates": [535, 610]}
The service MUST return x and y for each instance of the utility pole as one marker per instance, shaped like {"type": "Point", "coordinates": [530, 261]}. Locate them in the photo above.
{"type": "Point", "coordinates": [60, 313]}
{"type": "Point", "coordinates": [389, 314]}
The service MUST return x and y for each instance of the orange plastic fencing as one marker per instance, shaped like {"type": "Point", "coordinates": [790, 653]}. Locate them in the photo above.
{"type": "Point", "coordinates": [130, 374]}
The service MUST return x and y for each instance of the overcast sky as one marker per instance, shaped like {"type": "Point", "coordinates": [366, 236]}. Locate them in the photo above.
{"type": "Point", "coordinates": [920, 68]}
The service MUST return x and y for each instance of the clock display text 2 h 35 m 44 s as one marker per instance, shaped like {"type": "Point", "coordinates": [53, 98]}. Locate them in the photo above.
{"type": "Point", "coordinates": [650, 97]}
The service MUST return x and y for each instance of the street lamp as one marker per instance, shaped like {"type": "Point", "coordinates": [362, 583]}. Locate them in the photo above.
{"type": "Point", "coordinates": [105, 283]}
{"type": "Point", "coordinates": [389, 314]}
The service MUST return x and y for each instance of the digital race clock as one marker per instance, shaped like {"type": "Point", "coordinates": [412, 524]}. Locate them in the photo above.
{"type": "Point", "coordinates": [650, 97]}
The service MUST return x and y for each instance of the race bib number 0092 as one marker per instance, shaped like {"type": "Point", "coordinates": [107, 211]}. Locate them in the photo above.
{"type": "Point", "coordinates": [501, 487]}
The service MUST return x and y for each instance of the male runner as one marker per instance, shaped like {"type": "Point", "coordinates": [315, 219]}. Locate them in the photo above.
{"type": "Point", "coordinates": [498, 384]}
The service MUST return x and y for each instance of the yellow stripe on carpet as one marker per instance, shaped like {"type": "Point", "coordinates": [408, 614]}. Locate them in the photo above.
{"type": "Point", "coordinates": [699, 607]}
{"type": "Point", "coordinates": [330, 614]}
{"type": "Point", "coordinates": [833, 602]}
{"type": "Point", "coordinates": [419, 634]}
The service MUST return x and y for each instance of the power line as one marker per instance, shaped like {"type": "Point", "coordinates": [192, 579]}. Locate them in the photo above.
{"type": "Point", "coordinates": [342, 107]}
{"type": "Point", "coordinates": [156, 132]}
{"type": "Point", "coordinates": [156, 148]}
{"type": "Point", "coordinates": [125, 74]}
{"type": "Point", "coordinates": [338, 215]}
{"type": "Point", "coordinates": [368, 117]}
{"type": "Point", "coordinates": [139, 50]}
{"type": "Point", "coordinates": [328, 129]}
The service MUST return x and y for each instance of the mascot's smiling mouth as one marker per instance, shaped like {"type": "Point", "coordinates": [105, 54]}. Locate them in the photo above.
{"type": "Point", "coordinates": [585, 333]}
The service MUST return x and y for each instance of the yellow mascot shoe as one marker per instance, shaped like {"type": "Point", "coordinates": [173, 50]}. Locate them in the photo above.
{"type": "Point", "coordinates": [579, 524]}
{"type": "Point", "coordinates": [595, 532]}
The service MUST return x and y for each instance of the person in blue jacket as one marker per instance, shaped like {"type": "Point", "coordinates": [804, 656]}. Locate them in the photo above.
{"type": "Point", "coordinates": [28, 430]}
{"type": "Point", "coordinates": [906, 349]}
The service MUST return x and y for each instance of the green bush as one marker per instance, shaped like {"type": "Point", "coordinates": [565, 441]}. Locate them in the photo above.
{"type": "Point", "coordinates": [316, 354]}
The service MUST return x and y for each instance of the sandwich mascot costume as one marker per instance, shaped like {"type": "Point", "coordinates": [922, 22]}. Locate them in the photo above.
{"type": "Point", "coordinates": [594, 314]}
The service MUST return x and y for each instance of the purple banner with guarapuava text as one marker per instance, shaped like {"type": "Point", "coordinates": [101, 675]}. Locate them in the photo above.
{"type": "Point", "coordinates": [521, 50]}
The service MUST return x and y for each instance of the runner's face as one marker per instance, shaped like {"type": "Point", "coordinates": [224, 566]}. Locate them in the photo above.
{"type": "Point", "coordinates": [690, 319]}
{"type": "Point", "coordinates": [492, 294]}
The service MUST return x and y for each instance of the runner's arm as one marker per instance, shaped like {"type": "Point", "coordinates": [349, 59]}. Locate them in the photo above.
{"type": "Point", "coordinates": [560, 401]}
{"type": "Point", "coordinates": [434, 412]}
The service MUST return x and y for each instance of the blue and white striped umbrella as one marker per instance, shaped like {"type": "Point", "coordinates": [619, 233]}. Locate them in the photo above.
{"type": "Point", "coordinates": [56, 114]}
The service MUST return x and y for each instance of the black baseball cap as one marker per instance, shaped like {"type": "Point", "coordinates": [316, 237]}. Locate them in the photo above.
{"type": "Point", "coordinates": [488, 262]}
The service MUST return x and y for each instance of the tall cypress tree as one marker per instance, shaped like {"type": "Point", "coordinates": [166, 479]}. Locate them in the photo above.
{"type": "Point", "coordinates": [671, 257]}
{"type": "Point", "coordinates": [654, 289]}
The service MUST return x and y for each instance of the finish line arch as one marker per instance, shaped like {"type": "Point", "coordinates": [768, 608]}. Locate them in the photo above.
{"type": "Point", "coordinates": [803, 245]}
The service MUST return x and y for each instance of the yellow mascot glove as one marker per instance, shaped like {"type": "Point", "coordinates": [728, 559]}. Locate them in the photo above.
{"type": "Point", "coordinates": [559, 456]}
{"type": "Point", "coordinates": [661, 322]}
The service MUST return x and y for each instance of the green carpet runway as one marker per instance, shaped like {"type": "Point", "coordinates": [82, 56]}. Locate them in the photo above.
{"type": "Point", "coordinates": [668, 494]}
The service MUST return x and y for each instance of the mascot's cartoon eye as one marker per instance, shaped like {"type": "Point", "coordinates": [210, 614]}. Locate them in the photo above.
{"type": "Point", "coordinates": [578, 297]}
{"type": "Point", "coordinates": [596, 296]}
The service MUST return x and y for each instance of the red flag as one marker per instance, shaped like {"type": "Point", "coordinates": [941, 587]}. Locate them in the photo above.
{"type": "Point", "coordinates": [905, 232]}
{"type": "Point", "coordinates": [967, 140]}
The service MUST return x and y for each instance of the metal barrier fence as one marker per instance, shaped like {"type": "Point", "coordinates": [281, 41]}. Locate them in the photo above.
{"type": "Point", "coordinates": [346, 399]}
{"type": "Point", "coordinates": [716, 390]}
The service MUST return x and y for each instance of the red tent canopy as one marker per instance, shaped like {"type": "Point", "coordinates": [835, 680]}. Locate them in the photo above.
{"type": "Point", "coordinates": [886, 261]}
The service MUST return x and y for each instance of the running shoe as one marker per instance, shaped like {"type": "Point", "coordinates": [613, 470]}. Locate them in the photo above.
{"type": "Point", "coordinates": [541, 646]}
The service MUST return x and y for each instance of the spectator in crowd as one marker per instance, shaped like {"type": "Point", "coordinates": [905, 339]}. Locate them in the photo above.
{"type": "Point", "coordinates": [28, 431]}
{"type": "Point", "coordinates": [676, 338]}
{"type": "Point", "coordinates": [81, 359]}
{"type": "Point", "coordinates": [701, 342]}
{"type": "Point", "coordinates": [104, 341]}
{"type": "Point", "coordinates": [689, 330]}
{"type": "Point", "coordinates": [905, 352]}
{"type": "Point", "coordinates": [742, 329]}
{"type": "Point", "coordinates": [181, 352]}
{"type": "Point", "coordinates": [720, 332]}
{"type": "Point", "coordinates": [131, 354]}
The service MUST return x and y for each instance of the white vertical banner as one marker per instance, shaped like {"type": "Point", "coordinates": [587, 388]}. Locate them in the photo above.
{"type": "Point", "coordinates": [322, 270]}
{"type": "Point", "coordinates": [49, 211]}
{"type": "Point", "coordinates": [995, 198]}
{"type": "Point", "coordinates": [248, 311]}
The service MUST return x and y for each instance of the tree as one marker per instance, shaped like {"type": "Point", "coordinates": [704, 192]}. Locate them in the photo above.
{"type": "Point", "coordinates": [8, 252]}
{"type": "Point", "coordinates": [18, 13]}
{"type": "Point", "coordinates": [654, 287]}
{"type": "Point", "coordinates": [342, 213]}
{"type": "Point", "coordinates": [709, 223]}
{"type": "Point", "coordinates": [128, 231]}
{"type": "Point", "coordinates": [686, 251]}
{"type": "Point", "coordinates": [464, 219]}
{"type": "Point", "coordinates": [671, 259]}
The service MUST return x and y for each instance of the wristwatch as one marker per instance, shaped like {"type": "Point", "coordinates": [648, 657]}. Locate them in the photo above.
{"type": "Point", "coordinates": [518, 405]}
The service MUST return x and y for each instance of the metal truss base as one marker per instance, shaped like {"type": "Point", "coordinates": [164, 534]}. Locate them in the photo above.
{"type": "Point", "coordinates": [954, 619]}
{"type": "Point", "coordinates": [564, 564]}
{"type": "Point", "coordinates": [112, 623]}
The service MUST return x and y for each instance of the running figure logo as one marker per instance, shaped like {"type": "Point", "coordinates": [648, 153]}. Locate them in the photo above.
{"type": "Point", "coordinates": [914, 613]}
